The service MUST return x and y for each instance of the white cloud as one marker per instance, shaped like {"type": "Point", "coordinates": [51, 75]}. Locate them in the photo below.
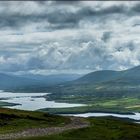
{"type": "Point", "coordinates": [87, 35]}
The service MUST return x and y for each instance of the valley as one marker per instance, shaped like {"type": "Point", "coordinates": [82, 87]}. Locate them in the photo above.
{"type": "Point", "coordinates": [103, 103]}
{"type": "Point", "coordinates": [99, 91]}
{"type": "Point", "coordinates": [69, 70]}
{"type": "Point", "coordinates": [102, 91]}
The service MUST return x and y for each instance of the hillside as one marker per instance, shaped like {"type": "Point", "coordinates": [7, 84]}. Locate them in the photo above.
{"type": "Point", "coordinates": [109, 75]}
{"type": "Point", "coordinates": [29, 125]}
{"type": "Point", "coordinates": [101, 128]}
{"type": "Point", "coordinates": [104, 80]}
{"type": "Point", "coordinates": [109, 91]}
{"type": "Point", "coordinates": [98, 76]}
{"type": "Point", "coordinates": [23, 124]}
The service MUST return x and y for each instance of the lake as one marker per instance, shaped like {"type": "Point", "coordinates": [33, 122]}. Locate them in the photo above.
{"type": "Point", "coordinates": [31, 101]}
{"type": "Point", "coordinates": [135, 116]}
{"type": "Point", "coordinates": [35, 101]}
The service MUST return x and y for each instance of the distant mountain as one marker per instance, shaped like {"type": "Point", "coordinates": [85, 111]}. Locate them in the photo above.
{"type": "Point", "coordinates": [133, 72]}
{"type": "Point", "coordinates": [9, 81]}
{"type": "Point", "coordinates": [96, 83]}
{"type": "Point", "coordinates": [100, 85]}
{"type": "Point", "coordinates": [98, 76]}
{"type": "Point", "coordinates": [52, 79]}
{"type": "Point", "coordinates": [109, 75]}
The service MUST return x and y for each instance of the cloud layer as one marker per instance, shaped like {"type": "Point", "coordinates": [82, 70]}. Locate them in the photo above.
{"type": "Point", "coordinates": [80, 35]}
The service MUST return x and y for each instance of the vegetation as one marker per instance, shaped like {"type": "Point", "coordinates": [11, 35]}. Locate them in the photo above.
{"type": "Point", "coordinates": [107, 128]}
{"type": "Point", "coordinates": [7, 104]}
{"type": "Point", "coordinates": [102, 91]}
{"type": "Point", "coordinates": [16, 120]}
{"type": "Point", "coordinates": [123, 105]}
{"type": "Point", "coordinates": [101, 128]}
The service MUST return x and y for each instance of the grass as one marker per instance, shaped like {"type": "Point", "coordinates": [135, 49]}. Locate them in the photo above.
{"type": "Point", "coordinates": [16, 120]}
{"type": "Point", "coordinates": [117, 98]}
{"type": "Point", "coordinates": [123, 105]}
{"type": "Point", "coordinates": [102, 128]}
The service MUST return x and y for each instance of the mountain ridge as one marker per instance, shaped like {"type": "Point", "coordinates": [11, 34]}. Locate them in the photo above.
{"type": "Point", "coordinates": [99, 85]}
{"type": "Point", "coordinates": [10, 81]}
{"type": "Point", "coordinates": [107, 75]}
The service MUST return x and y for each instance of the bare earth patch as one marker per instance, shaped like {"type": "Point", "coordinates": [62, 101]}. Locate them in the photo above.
{"type": "Point", "coordinates": [134, 106]}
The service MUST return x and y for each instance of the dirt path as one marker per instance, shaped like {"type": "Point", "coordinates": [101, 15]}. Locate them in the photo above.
{"type": "Point", "coordinates": [76, 123]}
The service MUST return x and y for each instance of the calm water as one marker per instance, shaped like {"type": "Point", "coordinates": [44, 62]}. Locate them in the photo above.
{"type": "Point", "coordinates": [32, 101]}
{"type": "Point", "coordinates": [135, 116]}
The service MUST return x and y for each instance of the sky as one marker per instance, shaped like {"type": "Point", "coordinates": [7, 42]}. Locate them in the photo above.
{"type": "Point", "coordinates": [69, 36]}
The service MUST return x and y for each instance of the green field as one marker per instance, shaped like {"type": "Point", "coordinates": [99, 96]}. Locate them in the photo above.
{"type": "Point", "coordinates": [123, 105]}
{"type": "Point", "coordinates": [102, 128]}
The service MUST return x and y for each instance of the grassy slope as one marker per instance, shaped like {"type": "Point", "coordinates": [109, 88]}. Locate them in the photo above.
{"type": "Point", "coordinates": [102, 128]}
{"type": "Point", "coordinates": [15, 120]}
{"type": "Point", "coordinates": [107, 128]}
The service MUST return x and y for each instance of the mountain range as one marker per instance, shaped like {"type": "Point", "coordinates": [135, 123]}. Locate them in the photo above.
{"type": "Point", "coordinates": [11, 81]}
{"type": "Point", "coordinates": [98, 84]}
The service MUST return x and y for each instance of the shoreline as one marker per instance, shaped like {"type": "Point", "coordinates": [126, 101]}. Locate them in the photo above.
{"type": "Point", "coordinates": [119, 113]}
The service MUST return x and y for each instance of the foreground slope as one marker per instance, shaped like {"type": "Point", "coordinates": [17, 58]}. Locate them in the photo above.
{"type": "Point", "coordinates": [102, 128]}
{"type": "Point", "coordinates": [16, 120]}
{"type": "Point", "coordinates": [19, 124]}
{"type": "Point", "coordinates": [27, 125]}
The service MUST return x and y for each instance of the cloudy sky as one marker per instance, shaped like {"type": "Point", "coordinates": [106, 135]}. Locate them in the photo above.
{"type": "Point", "coordinates": [69, 36]}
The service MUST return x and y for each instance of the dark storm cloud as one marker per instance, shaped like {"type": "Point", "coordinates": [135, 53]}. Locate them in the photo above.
{"type": "Point", "coordinates": [61, 16]}
{"type": "Point", "coordinates": [106, 36]}
{"type": "Point", "coordinates": [89, 11]}
{"type": "Point", "coordinates": [136, 8]}
{"type": "Point", "coordinates": [66, 2]}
